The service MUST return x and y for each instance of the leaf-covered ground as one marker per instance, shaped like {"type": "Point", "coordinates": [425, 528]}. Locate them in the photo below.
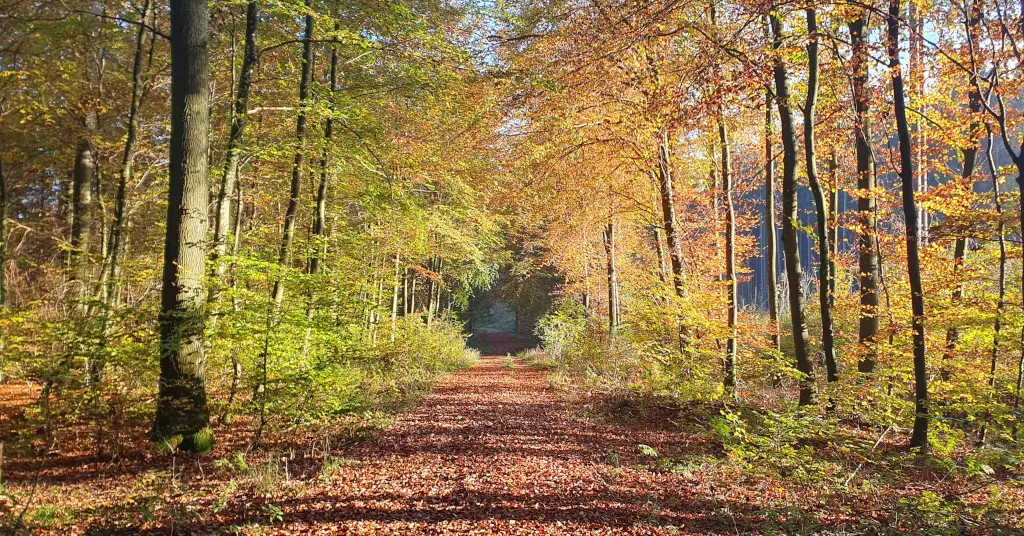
{"type": "Point", "coordinates": [493, 450]}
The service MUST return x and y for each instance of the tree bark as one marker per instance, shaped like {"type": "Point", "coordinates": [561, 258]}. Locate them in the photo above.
{"type": "Point", "coordinates": [81, 204]}
{"type": "Point", "coordinates": [997, 326]}
{"type": "Point", "coordinates": [828, 346]}
{"type": "Point", "coordinates": [229, 180]}
{"type": "Point", "coordinates": [320, 216]}
{"type": "Point", "coordinates": [613, 308]}
{"type": "Point", "coordinates": [288, 233]}
{"type": "Point", "coordinates": [919, 437]}
{"type": "Point", "coordinates": [867, 238]}
{"type": "Point", "coordinates": [182, 416]}
{"type": "Point", "coordinates": [969, 165]}
{"type": "Point", "coordinates": [790, 222]}
{"type": "Point", "coordinates": [730, 257]}
{"type": "Point", "coordinates": [3, 235]}
{"type": "Point", "coordinates": [771, 238]}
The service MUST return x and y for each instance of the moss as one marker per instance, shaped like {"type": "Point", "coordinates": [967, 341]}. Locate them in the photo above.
{"type": "Point", "coordinates": [200, 442]}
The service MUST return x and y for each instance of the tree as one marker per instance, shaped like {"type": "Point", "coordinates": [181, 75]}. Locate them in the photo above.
{"type": "Point", "coordinates": [182, 417]}
{"type": "Point", "coordinates": [867, 250]}
{"type": "Point", "coordinates": [790, 221]}
{"type": "Point", "coordinates": [825, 283]}
{"type": "Point", "coordinates": [919, 438]}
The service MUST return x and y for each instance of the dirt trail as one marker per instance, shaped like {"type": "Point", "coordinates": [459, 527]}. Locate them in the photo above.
{"type": "Point", "coordinates": [493, 450]}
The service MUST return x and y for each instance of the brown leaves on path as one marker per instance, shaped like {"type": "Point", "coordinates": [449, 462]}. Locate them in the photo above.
{"type": "Point", "coordinates": [494, 451]}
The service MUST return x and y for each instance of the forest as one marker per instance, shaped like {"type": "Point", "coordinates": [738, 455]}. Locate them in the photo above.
{"type": "Point", "coordinates": [511, 267]}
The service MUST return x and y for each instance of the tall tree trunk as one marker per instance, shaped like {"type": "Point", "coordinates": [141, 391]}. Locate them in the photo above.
{"type": "Point", "coordinates": [397, 283]}
{"type": "Point", "coordinates": [288, 233]}
{"type": "Point", "coordinates": [613, 307]}
{"type": "Point", "coordinates": [790, 222]}
{"type": "Point", "coordinates": [229, 180]}
{"type": "Point", "coordinates": [730, 257]}
{"type": "Point", "coordinates": [320, 216]}
{"type": "Point", "coordinates": [675, 248]}
{"type": "Point", "coordinates": [867, 253]}
{"type": "Point", "coordinates": [3, 236]}
{"type": "Point", "coordinates": [81, 203]}
{"type": "Point", "coordinates": [111, 275]}
{"type": "Point", "coordinates": [182, 416]}
{"type": "Point", "coordinates": [969, 164]}
{"type": "Point", "coordinates": [919, 438]}
{"type": "Point", "coordinates": [828, 346]}
{"type": "Point", "coordinates": [770, 226]}
{"type": "Point", "coordinates": [997, 326]}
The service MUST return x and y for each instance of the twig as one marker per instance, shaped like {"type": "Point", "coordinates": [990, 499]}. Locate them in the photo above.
{"type": "Point", "coordinates": [861, 464]}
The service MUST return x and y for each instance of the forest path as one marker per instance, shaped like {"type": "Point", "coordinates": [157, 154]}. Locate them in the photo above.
{"type": "Point", "coordinates": [494, 450]}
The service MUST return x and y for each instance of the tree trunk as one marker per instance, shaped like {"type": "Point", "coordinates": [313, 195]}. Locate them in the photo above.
{"type": "Point", "coordinates": [229, 180]}
{"type": "Point", "coordinates": [770, 226]}
{"type": "Point", "coordinates": [182, 417]}
{"type": "Point", "coordinates": [997, 326]}
{"type": "Point", "coordinates": [790, 222]}
{"type": "Point", "coordinates": [828, 346]}
{"type": "Point", "coordinates": [867, 238]}
{"type": "Point", "coordinates": [613, 308]}
{"type": "Point", "coordinates": [320, 216]}
{"type": "Point", "coordinates": [288, 234]}
{"type": "Point", "coordinates": [970, 163]}
{"type": "Point", "coordinates": [397, 283]}
{"type": "Point", "coordinates": [730, 257]}
{"type": "Point", "coordinates": [919, 438]}
{"type": "Point", "coordinates": [81, 204]}
{"type": "Point", "coordinates": [3, 236]}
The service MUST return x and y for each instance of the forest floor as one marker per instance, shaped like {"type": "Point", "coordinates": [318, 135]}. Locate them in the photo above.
{"type": "Point", "coordinates": [493, 450]}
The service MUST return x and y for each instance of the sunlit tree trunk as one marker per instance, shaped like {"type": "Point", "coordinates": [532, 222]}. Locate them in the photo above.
{"type": "Point", "coordinates": [228, 183]}
{"type": "Point", "coordinates": [790, 222]}
{"type": "Point", "coordinates": [770, 226]}
{"type": "Point", "coordinates": [997, 326]}
{"type": "Point", "coordinates": [867, 254]}
{"type": "Point", "coordinates": [288, 233]}
{"type": "Point", "coordinates": [182, 417]}
{"type": "Point", "coordinates": [320, 215]}
{"type": "Point", "coordinates": [730, 257]}
{"type": "Point", "coordinates": [397, 287]}
{"type": "Point", "coordinates": [919, 438]}
{"type": "Point", "coordinates": [81, 203]}
{"type": "Point", "coordinates": [820, 201]}
{"type": "Point", "coordinates": [613, 306]}
{"type": "Point", "coordinates": [969, 165]}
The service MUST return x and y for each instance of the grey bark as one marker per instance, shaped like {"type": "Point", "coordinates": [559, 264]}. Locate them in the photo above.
{"type": "Point", "coordinates": [182, 416]}
{"type": "Point", "coordinates": [790, 221]}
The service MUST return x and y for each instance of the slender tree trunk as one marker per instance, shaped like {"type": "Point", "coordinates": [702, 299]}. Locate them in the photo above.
{"type": "Point", "coordinates": [81, 204]}
{"type": "Point", "coordinates": [828, 346]}
{"type": "Point", "coordinates": [320, 216]}
{"type": "Point", "coordinates": [675, 249]}
{"type": "Point", "coordinates": [613, 308]}
{"type": "Point", "coordinates": [288, 234]}
{"type": "Point", "coordinates": [919, 438]}
{"type": "Point", "coordinates": [226, 196]}
{"type": "Point", "coordinates": [770, 226]}
{"type": "Point", "coordinates": [997, 326]}
{"type": "Point", "coordinates": [182, 417]}
{"type": "Point", "coordinates": [866, 209]}
{"type": "Point", "coordinates": [109, 280]}
{"type": "Point", "coordinates": [790, 221]}
{"type": "Point", "coordinates": [394, 296]}
{"type": "Point", "coordinates": [3, 237]}
{"type": "Point", "coordinates": [730, 257]}
{"type": "Point", "coordinates": [969, 164]}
